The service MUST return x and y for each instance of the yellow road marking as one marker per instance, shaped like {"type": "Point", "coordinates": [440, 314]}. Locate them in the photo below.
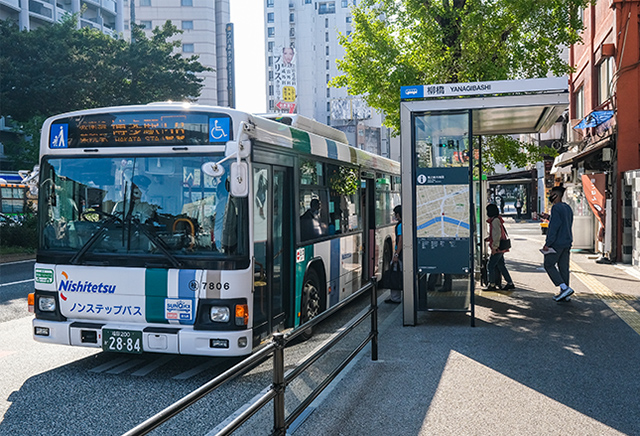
{"type": "Point", "coordinates": [616, 302]}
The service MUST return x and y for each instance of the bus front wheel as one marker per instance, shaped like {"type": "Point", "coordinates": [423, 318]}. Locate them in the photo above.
{"type": "Point", "coordinates": [310, 300]}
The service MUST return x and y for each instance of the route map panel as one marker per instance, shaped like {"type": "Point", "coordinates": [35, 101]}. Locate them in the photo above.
{"type": "Point", "coordinates": [442, 211]}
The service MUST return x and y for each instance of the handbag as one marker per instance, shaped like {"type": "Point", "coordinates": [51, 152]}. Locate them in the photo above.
{"type": "Point", "coordinates": [392, 278]}
{"type": "Point", "coordinates": [505, 242]}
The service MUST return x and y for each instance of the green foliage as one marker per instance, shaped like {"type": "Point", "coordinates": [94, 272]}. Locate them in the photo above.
{"type": "Point", "coordinates": [23, 235]}
{"type": "Point", "coordinates": [60, 68]}
{"type": "Point", "coordinates": [397, 43]}
{"type": "Point", "coordinates": [344, 181]}
{"type": "Point", "coordinates": [511, 152]}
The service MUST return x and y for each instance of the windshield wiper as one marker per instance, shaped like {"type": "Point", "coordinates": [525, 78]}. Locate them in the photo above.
{"type": "Point", "coordinates": [158, 242]}
{"type": "Point", "coordinates": [75, 260]}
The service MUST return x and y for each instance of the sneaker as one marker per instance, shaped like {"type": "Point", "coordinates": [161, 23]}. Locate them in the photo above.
{"type": "Point", "coordinates": [491, 288]}
{"type": "Point", "coordinates": [563, 294]}
{"type": "Point", "coordinates": [509, 286]}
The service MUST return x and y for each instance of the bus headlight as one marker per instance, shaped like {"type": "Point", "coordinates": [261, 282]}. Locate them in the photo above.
{"type": "Point", "coordinates": [47, 304]}
{"type": "Point", "coordinates": [219, 314]}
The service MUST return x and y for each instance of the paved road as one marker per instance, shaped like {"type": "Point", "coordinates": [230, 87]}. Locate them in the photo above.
{"type": "Point", "coordinates": [16, 281]}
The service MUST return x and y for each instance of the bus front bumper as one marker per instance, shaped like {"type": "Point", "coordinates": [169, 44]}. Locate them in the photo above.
{"type": "Point", "coordinates": [170, 339]}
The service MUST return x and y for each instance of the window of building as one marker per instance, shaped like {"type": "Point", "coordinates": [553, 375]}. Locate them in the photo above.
{"type": "Point", "coordinates": [269, 3]}
{"type": "Point", "coordinates": [271, 105]}
{"type": "Point", "coordinates": [292, 32]}
{"type": "Point", "coordinates": [326, 36]}
{"type": "Point", "coordinates": [348, 19]}
{"type": "Point", "coordinates": [188, 48]}
{"type": "Point", "coordinates": [326, 23]}
{"type": "Point", "coordinates": [307, 2]}
{"type": "Point", "coordinates": [271, 17]}
{"type": "Point", "coordinates": [326, 49]}
{"type": "Point", "coordinates": [328, 92]}
{"type": "Point", "coordinates": [270, 90]}
{"type": "Point", "coordinates": [578, 101]}
{"type": "Point", "coordinates": [328, 78]}
{"type": "Point", "coordinates": [270, 61]}
{"type": "Point", "coordinates": [270, 75]}
{"type": "Point", "coordinates": [271, 32]}
{"type": "Point", "coordinates": [186, 2]}
{"type": "Point", "coordinates": [328, 106]}
{"type": "Point", "coordinates": [146, 24]}
{"type": "Point", "coordinates": [348, 32]}
{"type": "Point", "coordinates": [345, 3]}
{"type": "Point", "coordinates": [605, 74]}
{"type": "Point", "coordinates": [292, 18]}
{"type": "Point", "coordinates": [270, 46]}
{"type": "Point", "coordinates": [326, 8]}
{"type": "Point", "coordinates": [327, 66]}
{"type": "Point", "coordinates": [187, 25]}
{"type": "Point", "coordinates": [145, 2]}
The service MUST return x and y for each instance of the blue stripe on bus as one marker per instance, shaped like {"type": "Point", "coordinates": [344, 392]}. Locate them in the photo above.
{"type": "Point", "coordinates": [332, 149]}
{"type": "Point", "coordinates": [186, 283]}
{"type": "Point", "coordinates": [334, 272]}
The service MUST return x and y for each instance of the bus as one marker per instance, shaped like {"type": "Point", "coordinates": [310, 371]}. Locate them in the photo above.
{"type": "Point", "coordinates": [15, 197]}
{"type": "Point", "coordinates": [190, 229]}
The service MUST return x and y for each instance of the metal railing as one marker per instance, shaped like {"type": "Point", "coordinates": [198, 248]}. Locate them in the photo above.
{"type": "Point", "coordinates": [275, 349]}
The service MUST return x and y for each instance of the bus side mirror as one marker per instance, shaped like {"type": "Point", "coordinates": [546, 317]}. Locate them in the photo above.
{"type": "Point", "coordinates": [239, 179]}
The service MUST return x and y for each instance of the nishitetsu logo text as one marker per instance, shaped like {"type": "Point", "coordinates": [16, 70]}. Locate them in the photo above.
{"type": "Point", "coordinates": [85, 286]}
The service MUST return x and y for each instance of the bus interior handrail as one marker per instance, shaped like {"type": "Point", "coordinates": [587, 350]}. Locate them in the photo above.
{"type": "Point", "coordinates": [275, 348]}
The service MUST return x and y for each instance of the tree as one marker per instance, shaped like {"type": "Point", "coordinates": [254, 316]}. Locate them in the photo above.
{"type": "Point", "coordinates": [60, 68]}
{"type": "Point", "coordinates": [414, 42]}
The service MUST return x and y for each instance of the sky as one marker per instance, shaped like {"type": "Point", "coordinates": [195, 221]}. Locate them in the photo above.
{"type": "Point", "coordinates": [247, 17]}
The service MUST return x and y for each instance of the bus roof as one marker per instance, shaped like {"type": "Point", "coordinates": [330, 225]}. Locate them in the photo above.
{"type": "Point", "coordinates": [301, 134]}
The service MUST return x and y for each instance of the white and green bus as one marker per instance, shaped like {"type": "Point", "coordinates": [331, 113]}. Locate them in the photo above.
{"type": "Point", "coordinates": [186, 229]}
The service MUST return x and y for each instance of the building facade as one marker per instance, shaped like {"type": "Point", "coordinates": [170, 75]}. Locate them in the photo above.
{"type": "Point", "coordinates": [605, 123]}
{"type": "Point", "coordinates": [30, 14]}
{"type": "Point", "coordinates": [302, 46]}
{"type": "Point", "coordinates": [203, 23]}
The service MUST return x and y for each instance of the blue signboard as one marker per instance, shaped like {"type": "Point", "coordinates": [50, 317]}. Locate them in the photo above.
{"type": "Point", "coordinates": [219, 129]}
{"type": "Point", "coordinates": [59, 136]}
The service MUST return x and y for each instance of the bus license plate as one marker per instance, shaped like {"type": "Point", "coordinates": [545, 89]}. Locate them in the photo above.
{"type": "Point", "coordinates": [122, 341]}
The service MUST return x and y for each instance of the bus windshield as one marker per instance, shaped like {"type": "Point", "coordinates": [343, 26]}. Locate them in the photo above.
{"type": "Point", "coordinates": [160, 208]}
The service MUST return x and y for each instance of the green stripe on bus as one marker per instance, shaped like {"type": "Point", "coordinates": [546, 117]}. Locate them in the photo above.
{"type": "Point", "coordinates": [301, 268]}
{"type": "Point", "coordinates": [301, 141]}
{"type": "Point", "coordinates": [155, 293]}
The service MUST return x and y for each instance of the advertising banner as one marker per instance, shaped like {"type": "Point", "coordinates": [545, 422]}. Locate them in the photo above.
{"type": "Point", "coordinates": [285, 80]}
{"type": "Point", "coordinates": [594, 186]}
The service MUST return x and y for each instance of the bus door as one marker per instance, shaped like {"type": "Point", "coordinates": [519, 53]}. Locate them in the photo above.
{"type": "Point", "coordinates": [368, 216]}
{"type": "Point", "coordinates": [272, 247]}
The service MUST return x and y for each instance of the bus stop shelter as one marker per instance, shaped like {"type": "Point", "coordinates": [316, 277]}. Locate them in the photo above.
{"type": "Point", "coordinates": [442, 207]}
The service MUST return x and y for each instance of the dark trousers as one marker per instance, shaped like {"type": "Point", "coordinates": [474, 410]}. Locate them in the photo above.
{"type": "Point", "coordinates": [495, 267]}
{"type": "Point", "coordinates": [557, 265]}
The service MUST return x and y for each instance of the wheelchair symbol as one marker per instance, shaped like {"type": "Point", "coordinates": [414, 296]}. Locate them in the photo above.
{"type": "Point", "coordinates": [217, 132]}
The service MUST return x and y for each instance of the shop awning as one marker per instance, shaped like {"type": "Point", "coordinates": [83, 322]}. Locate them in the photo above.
{"type": "Point", "coordinates": [594, 119]}
{"type": "Point", "coordinates": [592, 148]}
{"type": "Point", "coordinates": [562, 157]}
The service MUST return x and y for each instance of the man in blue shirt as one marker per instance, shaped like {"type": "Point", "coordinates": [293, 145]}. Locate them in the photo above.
{"type": "Point", "coordinates": [557, 246]}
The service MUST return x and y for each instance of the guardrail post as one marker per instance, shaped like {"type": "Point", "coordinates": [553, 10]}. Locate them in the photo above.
{"type": "Point", "coordinates": [374, 319]}
{"type": "Point", "coordinates": [279, 428]}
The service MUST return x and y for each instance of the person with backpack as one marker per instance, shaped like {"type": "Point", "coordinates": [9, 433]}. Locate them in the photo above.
{"type": "Point", "coordinates": [557, 246]}
{"type": "Point", "coordinates": [496, 267]}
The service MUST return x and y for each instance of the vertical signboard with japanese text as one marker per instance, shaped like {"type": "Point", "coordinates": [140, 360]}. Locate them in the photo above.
{"type": "Point", "coordinates": [231, 78]}
{"type": "Point", "coordinates": [284, 78]}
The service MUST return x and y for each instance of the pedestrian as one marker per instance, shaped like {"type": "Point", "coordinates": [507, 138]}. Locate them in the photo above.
{"type": "Point", "coordinates": [496, 266]}
{"type": "Point", "coordinates": [518, 207]}
{"type": "Point", "coordinates": [396, 261]}
{"type": "Point", "coordinates": [557, 246]}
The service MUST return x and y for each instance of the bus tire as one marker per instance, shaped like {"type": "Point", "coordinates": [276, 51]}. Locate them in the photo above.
{"type": "Point", "coordinates": [311, 300]}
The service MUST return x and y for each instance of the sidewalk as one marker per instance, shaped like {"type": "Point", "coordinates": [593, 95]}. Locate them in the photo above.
{"type": "Point", "coordinates": [531, 366]}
